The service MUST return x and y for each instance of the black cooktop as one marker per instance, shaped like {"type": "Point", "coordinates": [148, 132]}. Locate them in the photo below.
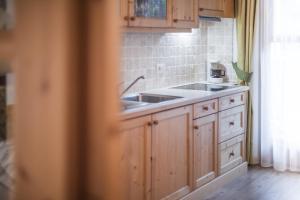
{"type": "Point", "coordinates": [204, 87]}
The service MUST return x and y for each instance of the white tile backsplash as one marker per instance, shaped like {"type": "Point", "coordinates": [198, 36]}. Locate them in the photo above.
{"type": "Point", "coordinates": [175, 58]}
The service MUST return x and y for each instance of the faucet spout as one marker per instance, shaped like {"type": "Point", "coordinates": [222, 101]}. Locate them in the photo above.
{"type": "Point", "coordinates": [132, 84]}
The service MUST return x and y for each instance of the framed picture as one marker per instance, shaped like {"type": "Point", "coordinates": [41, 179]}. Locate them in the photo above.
{"type": "Point", "coordinates": [6, 14]}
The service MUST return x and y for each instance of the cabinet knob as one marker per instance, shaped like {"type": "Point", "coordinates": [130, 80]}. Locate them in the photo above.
{"type": "Point", "coordinates": [149, 123]}
{"type": "Point", "coordinates": [201, 9]}
{"type": "Point", "coordinates": [231, 154]}
{"type": "Point", "coordinates": [126, 18]}
{"type": "Point", "coordinates": [205, 108]}
{"type": "Point", "coordinates": [175, 20]}
{"type": "Point", "coordinates": [155, 122]}
{"type": "Point", "coordinates": [196, 127]}
{"type": "Point", "coordinates": [132, 18]}
{"type": "Point", "coordinates": [231, 100]}
{"type": "Point", "coordinates": [231, 123]}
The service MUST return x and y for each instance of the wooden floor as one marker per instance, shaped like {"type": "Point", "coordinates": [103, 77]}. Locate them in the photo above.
{"type": "Point", "coordinates": [261, 184]}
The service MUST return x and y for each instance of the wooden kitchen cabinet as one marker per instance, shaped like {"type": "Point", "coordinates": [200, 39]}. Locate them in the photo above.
{"type": "Point", "coordinates": [122, 9]}
{"type": "Point", "coordinates": [158, 13]}
{"type": "Point", "coordinates": [232, 123]}
{"type": "Point", "coordinates": [231, 153]}
{"type": "Point", "coordinates": [149, 13]}
{"type": "Point", "coordinates": [171, 153]}
{"type": "Point", "coordinates": [185, 13]}
{"type": "Point", "coordinates": [136, 158]}
{"type": "Point", "coordinates": [205, 149]}
{"type": "Point", "coordinates": [216, 8]}
{"type": "Point", "coordinates": [229, 9]}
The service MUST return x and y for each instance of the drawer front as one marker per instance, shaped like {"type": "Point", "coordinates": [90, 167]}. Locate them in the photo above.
{"type": "Point", "coordinates": [232, 101]}
{"type": "Point", "coordinates": [231, 123]}
{"type": "Point", "coordinates": [231, 153]}
{"type": "Point", "coordinates": [205, 108]}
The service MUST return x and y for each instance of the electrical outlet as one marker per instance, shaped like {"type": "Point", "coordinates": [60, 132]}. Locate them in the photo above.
{"type": "Point", "coordinates": [160, 66]}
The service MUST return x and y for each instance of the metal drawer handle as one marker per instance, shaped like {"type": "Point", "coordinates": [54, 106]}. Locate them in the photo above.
{"type": "Point", "coordinates": [205, 108]}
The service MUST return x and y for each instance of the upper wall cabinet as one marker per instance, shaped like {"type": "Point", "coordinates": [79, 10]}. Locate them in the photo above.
{"type": "Point", "coordinates": [149, 13]}
{"type": "Point", "coordinates": [216, 8]}
{"type": "Point", "coordinates": [159, 13]}
{"type": "Point", "coordinates": [122, 9]}
{"type": "Point", "coordinates": [185, 13]}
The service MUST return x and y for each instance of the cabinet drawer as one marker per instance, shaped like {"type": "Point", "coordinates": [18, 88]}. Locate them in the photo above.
{"type": "Point", "coordinates": [232, 101]}
{"type": "Point", "coordinates": [231, 123]}
{"type": "Point", "coordinates": [205, 108]}
{"type": "Point", "coordinates": [231, 153]}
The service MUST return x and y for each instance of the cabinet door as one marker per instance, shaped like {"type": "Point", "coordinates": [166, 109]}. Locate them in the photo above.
{"type": "Point", "coordinates": [185, 13]}
{"type": "Point", "coordinates": [211, 8]}
{"type": "Point", "coordinates": [122, 9]}
{"type": "Point", "coordinates": [150, 13]}
{"type": "Point", "coordinates": [171, 153]}
{"type": "Point", "coordinates": [231, 153]}
{"type": "Point", "coordinates": [136, 158]}
{"type": "Point", "coordinates": [229, 11]}
{"type": "Point", "coordinates": [205, 149]}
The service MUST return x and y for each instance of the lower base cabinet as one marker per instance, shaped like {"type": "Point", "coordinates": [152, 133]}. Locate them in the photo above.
{"type": "Point", "coordinates": [135, 164]}
{"type": "Point", "coordinates": [205, 149]}
{"type": "Point", "coordinates": [231, 153]}
{"type": "Point", "coordinates": [156, 159]}
{"type": "Point", "coordinates": [167, 155]}
{"type": "Point", "coordinates": [171, 154]}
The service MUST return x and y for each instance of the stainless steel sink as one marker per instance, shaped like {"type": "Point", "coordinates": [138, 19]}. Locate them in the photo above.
{"type": "Point", "coordinates": [150, 98]}
{"type": "Point", "coordinates": [141, 100]}
{"type": "Point", "coordinates": [126, 105]}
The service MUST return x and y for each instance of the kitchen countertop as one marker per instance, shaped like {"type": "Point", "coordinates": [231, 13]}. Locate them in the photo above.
{"type": "Point", "coordinates": [189, 97]}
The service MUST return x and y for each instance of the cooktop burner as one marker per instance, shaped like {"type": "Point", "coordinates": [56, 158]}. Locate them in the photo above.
{"type": "Point", "coordinates": [204, 87]}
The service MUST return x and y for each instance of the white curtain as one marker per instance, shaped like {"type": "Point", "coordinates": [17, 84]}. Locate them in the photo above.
{"type": "Point", "coordinates": [276, 84]}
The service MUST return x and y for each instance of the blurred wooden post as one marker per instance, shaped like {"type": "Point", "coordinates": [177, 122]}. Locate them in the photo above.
{"type": "Point", "coordinates": [7, 51]}
{"type": "Point", "coordinates": [47, 99]}
{"type": "Point", "coordinates": [66, 131]}
{"type": "Point", "coordinates": [102, 152]}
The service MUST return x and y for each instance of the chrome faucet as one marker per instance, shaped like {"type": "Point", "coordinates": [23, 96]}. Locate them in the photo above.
{"type": "Point", "coordinates": [132, 84]}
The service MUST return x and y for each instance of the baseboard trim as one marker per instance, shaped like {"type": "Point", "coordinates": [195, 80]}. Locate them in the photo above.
{"type": "Point", "coordinates": [217, 183]}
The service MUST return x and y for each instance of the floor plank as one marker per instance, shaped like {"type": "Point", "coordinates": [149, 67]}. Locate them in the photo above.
{"type": "Point", "coordinates": [261, 184]}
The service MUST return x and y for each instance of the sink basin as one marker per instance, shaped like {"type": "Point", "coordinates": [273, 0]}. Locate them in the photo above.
{"type": "Point", "coordinates": [150, 98]}
{"type": "Point", "coordinates": [126, 105]}
{"type": "Point", "coordinates": [141, 100]}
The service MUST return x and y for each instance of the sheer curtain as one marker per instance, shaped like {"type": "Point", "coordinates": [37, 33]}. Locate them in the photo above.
{"type": "Point", "coordinates": [278, 84]}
